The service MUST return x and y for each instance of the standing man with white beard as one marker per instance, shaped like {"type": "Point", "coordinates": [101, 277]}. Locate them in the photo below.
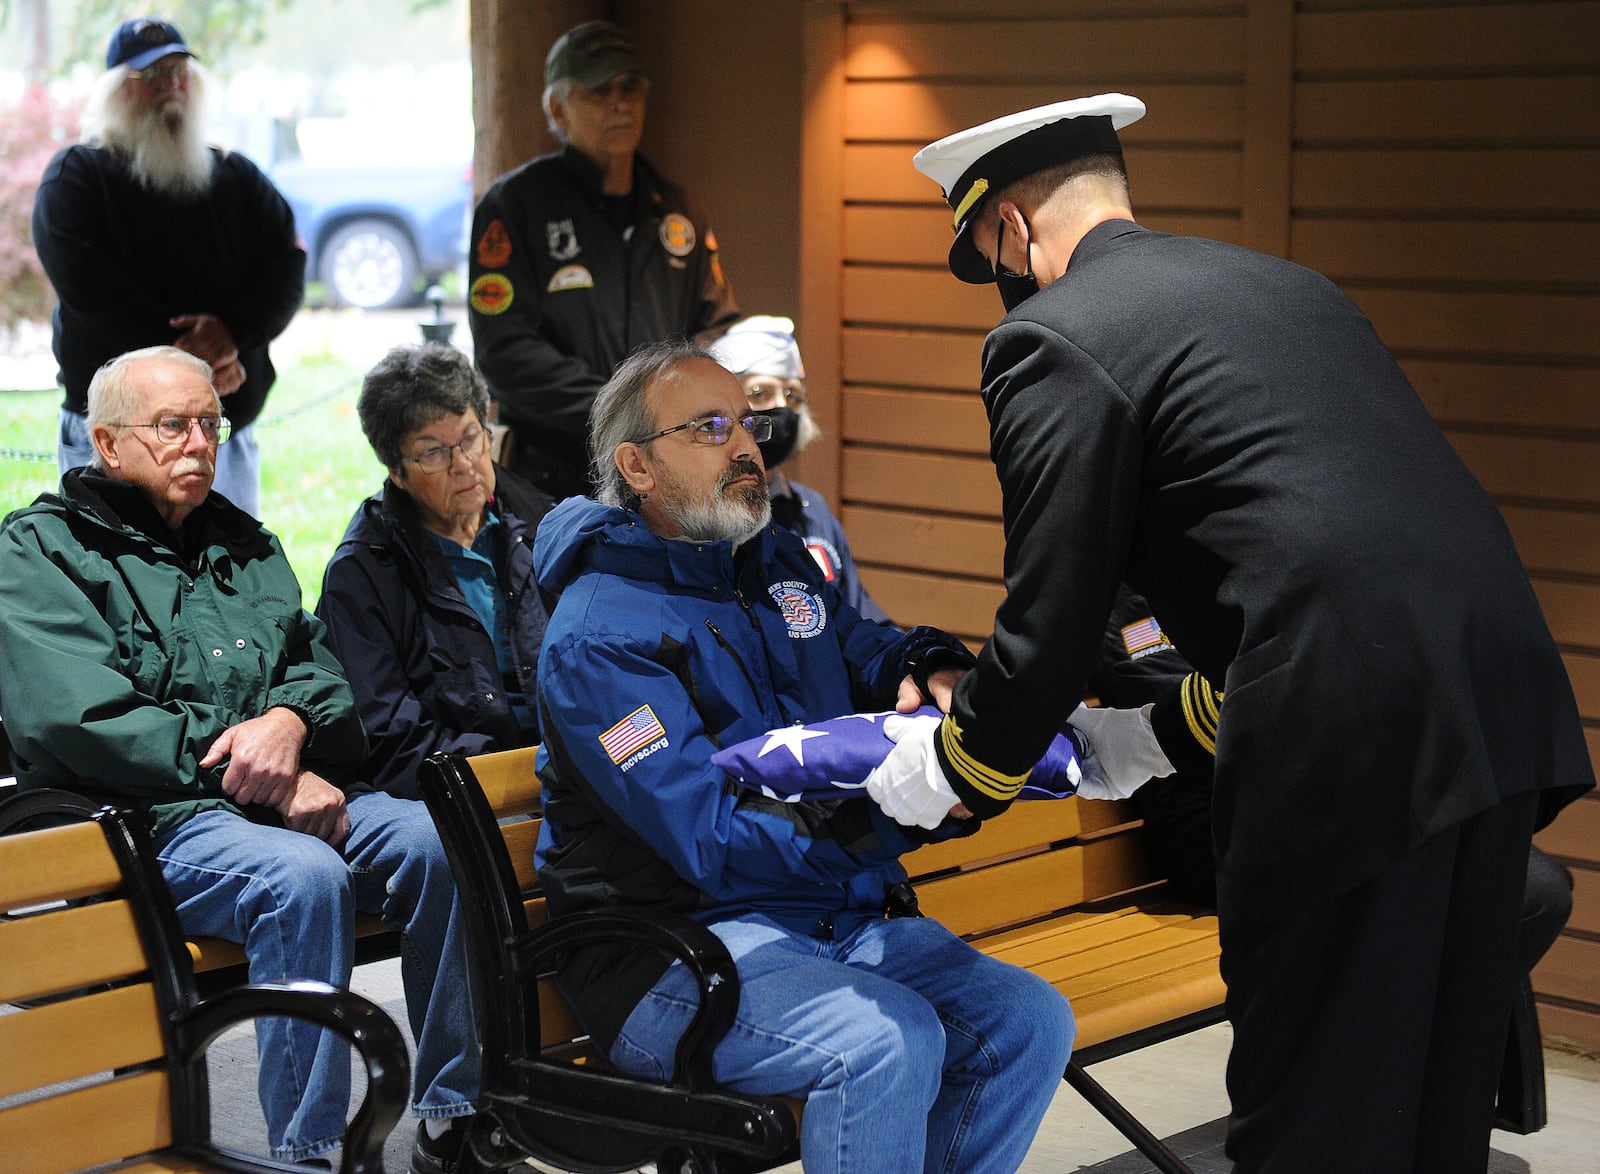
{"type": "Point", "coordinates": [152, 237]}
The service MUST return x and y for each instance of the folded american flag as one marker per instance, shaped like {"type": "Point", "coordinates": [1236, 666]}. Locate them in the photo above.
{"type": "Point", "coordinates": [831, 760]}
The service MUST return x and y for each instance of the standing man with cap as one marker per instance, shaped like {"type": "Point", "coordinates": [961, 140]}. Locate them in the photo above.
{"type": "Point", "coordinates": [580, 257]}
{"type": "Point", "coordinates": [1225, 431]}
{"type": "Point", "coordinates": [151, 237]}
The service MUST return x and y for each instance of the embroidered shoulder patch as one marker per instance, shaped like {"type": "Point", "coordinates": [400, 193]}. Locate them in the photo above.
{"type": "Point", "coordinates": [494, 246]}
{"type": "Point", "coordinates": [677, 234]}
{"type": "Point", "coordinates": [570, 277]}
{"type": "Point", "coordinates": [491, 294]}
{"type": "Point", "coordinates": [634, 737]}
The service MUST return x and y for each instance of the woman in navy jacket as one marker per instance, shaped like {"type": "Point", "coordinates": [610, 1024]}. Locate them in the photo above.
{"type": "Point", "coordinates": [429, 600]}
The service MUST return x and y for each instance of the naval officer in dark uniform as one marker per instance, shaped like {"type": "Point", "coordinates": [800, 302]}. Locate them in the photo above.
{"type": "Point", "coordinates": [1226, 432]}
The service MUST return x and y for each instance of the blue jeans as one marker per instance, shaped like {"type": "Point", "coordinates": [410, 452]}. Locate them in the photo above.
{"type": "Point", "coordinates": [238, 462]}
{"type": "Point", "coordinates": [291, 900]}
{"type": "Point", "coordinates": [913, 1051]}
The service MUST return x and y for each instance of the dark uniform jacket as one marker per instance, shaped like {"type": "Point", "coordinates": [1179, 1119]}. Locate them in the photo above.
{"type": "Point", "coordinates": [125, 260]}
{"type": "Point", "coordinates": [558, 297]}
{"type": "Point", "coordinates": [1225, 432]}
{"type": "Point", "coordinates": [422, 665]}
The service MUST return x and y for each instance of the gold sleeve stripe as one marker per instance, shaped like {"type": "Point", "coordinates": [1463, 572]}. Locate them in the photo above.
{"type": "Point", "coordinates": [1201, 705]}
{"type": "Point", "coordinates": [986, 780]}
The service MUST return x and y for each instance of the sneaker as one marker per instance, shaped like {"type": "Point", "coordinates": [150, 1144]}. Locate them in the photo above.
{"type": "Point", "coordinates": [439, 1155]}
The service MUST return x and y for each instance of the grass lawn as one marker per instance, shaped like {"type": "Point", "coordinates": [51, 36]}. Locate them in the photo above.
{"type": "Point", "coordinates": [315, 464]}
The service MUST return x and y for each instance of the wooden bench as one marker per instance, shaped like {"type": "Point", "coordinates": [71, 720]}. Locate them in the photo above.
{"type": "Point", "coordinates": [105, 1060]}
{"type": "Point", "coordinates": [1063, 888]}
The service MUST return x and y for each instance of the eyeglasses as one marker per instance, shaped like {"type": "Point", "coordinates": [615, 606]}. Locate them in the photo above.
{"type": "Point", "coordinates": [440, 458]}
{"type": "Point", "coordinates": [162, 71]}
{"type": "Point", "coordinates": [176, 429]}
{"type": "Point", "coordinates": [717, 429]}
{"type": "Point", "coordinates": [792, 391]}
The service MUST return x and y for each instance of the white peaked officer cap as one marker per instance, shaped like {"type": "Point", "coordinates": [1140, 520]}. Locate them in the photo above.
{"type": "Point", "coordinates": [762, 344]}
{"type": "Point", "coordinates": [972, 164]}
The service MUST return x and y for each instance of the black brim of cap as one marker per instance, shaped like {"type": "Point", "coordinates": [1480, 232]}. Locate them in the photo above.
{"type": "Point", "coordinates": [966, 262]}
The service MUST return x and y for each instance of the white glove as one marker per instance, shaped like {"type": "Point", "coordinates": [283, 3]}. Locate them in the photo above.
{"type": "Point", "coordinates": [1122, 752]}
{"type": "Point", "coordinates": [908, 784]}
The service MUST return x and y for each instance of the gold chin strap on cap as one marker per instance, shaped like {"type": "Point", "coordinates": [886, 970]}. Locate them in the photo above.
{"type": "Point", "coordinates": [974, 194]}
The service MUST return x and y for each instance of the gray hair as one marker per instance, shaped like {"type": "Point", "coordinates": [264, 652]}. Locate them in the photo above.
{"type": "Point", "coordinates": [561, 91]}
{"type": "Point", "coordinates": [410, 388]}
{"type": "Point", "coordinates": [620, 414]}
{"type": "Point", "coordinates": [115, 392]}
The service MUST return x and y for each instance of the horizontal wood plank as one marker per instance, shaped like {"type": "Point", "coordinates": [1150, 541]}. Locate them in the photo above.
{"type": "Point", "coordinates": [508, 780]}
{"type": "Point", "coordinates": [962, 607]}
{"type": "Point", "coordinates": [916, 113]}
{"type": "Point", "coordinates": [1188, 48]}
{"type": "Point", "coordinates": [912, 419]}
{"type": "Point", "coordinates": [130, 1116]}
{"type": "Point", "coordinates": [1572, 610]}
{"type": "Point", "coordinates": [1507, 394]}
{"type": "Point", "coordinates": [68, 949]}
{"type": "Point", "coordinates": [1109, 1015]}
{"type": "Point", "coordinates": [919, 540]}
{"type": "Point", "coordinates": [62, 864]}
{"type": "Point", "coordinates": [1474, 250]}
{"type": "Point", "coordinates": [1585, 901]}
{"type": "Point", "coordinates": [1570, 1029]}
{"type": "Point", "coordinates": [1453, 111]}
{"type": "Point", "coordinates": [1453, 39]}
{"type": "Point", "coordinates": [1584, 670]}
{"type": "Point", "coordinates": [1537, 327]}
{"type": "Point", "coordinates": [1568, 970]}
{"type": "Point", "coordinates": [1532, 467]}
{"type": "Point", "coordinates": [1447, 182]}
{"type": "Point", "coordinates": [1024, 827]}
{"type": "Point", "coordinates": [75, 1038]}
{"type": "Point", "coordinates": [885, 477]}
{"type": "Point", "coordinates": [1575, 833]}
{"type": "Point", "coordinates": [912, 358]}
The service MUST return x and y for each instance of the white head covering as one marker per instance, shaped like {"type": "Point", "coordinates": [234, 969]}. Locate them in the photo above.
{"type": "Point", "coordinates": [762, 344]}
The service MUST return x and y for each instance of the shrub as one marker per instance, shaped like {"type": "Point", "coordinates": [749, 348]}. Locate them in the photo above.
{"type": "Point", "coordinates": [30, 134]}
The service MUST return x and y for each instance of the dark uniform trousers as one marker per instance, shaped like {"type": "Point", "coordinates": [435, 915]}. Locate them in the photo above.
{"type": "Point", "coordinates": [1386, 1006]}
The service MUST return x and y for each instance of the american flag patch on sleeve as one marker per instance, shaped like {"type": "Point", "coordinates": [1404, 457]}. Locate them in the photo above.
{"type": "Point", "coordinates": [1144, 634]}
{"type": "Point", "coordinates": [639, 728]}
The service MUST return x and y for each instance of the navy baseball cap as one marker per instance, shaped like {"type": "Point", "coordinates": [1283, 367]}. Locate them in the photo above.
{"type": "Point", "coordinates": [138, 43]}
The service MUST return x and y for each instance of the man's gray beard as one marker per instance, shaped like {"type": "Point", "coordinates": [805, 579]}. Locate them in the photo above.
{"type": "Point", "coordinates": [737, 519]}
{"type": "Point", "coordinates": [164, 147]}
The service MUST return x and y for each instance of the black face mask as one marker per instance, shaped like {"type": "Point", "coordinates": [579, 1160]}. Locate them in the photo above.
{"type": "Point", "coordinates": [778, 447]}
{"type": "Point", "coordinates": [1015, 288]}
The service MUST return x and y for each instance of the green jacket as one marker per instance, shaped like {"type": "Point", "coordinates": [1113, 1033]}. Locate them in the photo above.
{"type": "Point", "coordinates": [126, 649]}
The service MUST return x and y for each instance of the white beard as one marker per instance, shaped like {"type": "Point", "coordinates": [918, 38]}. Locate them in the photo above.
{"type": "Point", "coordinates": [736, 519]}
{"type": "Point", "coordinates": [164, 145]}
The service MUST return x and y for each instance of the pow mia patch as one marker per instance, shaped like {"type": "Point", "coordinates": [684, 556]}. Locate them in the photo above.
{"type": "Point", "coordinates": [677, 234]}
{"type": "Point", "coordinates": [562, 239]}
{"type": "Point", "coordinates": [804, 613]}
{"type": "Point", "coordinates": [491, 294]}
{"type": "Point", "coordinates": [494, 246]}
{"type": "Point", "coordinates": [570, 277]}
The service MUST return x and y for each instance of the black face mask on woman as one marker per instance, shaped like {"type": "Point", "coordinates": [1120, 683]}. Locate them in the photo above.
{"type": "Point", "coordinates": [785, 430]}
{"type": "Point", "coordinates": [1015, 288]}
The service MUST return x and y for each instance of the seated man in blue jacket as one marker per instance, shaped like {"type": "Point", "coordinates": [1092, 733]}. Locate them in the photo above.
{"type": "Point", "coordinates": [154, 654]}
{"type": "Point", "coordinates": [684, 620]}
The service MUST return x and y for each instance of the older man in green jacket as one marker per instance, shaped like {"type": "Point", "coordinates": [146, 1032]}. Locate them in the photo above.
{"type": "Point", "coordinates": [154, 653]}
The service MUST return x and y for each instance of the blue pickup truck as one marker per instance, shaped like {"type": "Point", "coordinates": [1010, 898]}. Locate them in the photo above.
{"type": "Point", "coordinates": [379, 226]}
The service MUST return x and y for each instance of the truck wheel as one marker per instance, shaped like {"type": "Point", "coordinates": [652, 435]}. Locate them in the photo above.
{"type": "Point", "coordinates": [370, 264]}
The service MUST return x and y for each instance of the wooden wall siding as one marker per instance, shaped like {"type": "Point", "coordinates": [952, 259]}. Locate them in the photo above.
{"type": "Point", "coordinates": [1440, 160]}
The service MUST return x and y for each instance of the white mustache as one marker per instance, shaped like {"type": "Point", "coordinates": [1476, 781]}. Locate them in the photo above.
{"type": "Point", "coordinates": [187, 465]}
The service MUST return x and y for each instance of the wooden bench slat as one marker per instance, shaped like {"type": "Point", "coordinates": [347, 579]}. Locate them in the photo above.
{"type": "Point", "coordinates": [508, 781]}
{"type": "Point", "coordinates": [125, 1116]}
{"type": "Point", "coordinates": [207, 954]}
{"type": "Point", "coordinates": [1094, 947]}
{"type": "Point", "coordinates": [34, 866]}
{"type": "Point", "coordinates": [68, 948]}
{"type": "Point", "coordinates": [521, 839]}
{"type": "Point", "coordinates": [1046, 824]}
{"type": "Point", "coordinates": [78, 1037]}
{"type": "Point", "coordinates": [1110, 1014]}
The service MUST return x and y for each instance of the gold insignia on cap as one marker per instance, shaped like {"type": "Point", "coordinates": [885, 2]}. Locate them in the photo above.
{"type": "Point", "coordinates": [974, 194]}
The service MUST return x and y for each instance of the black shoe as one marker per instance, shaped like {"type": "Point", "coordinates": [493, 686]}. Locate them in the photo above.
{"type": "Point", "coordinates": [439, 1155]}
